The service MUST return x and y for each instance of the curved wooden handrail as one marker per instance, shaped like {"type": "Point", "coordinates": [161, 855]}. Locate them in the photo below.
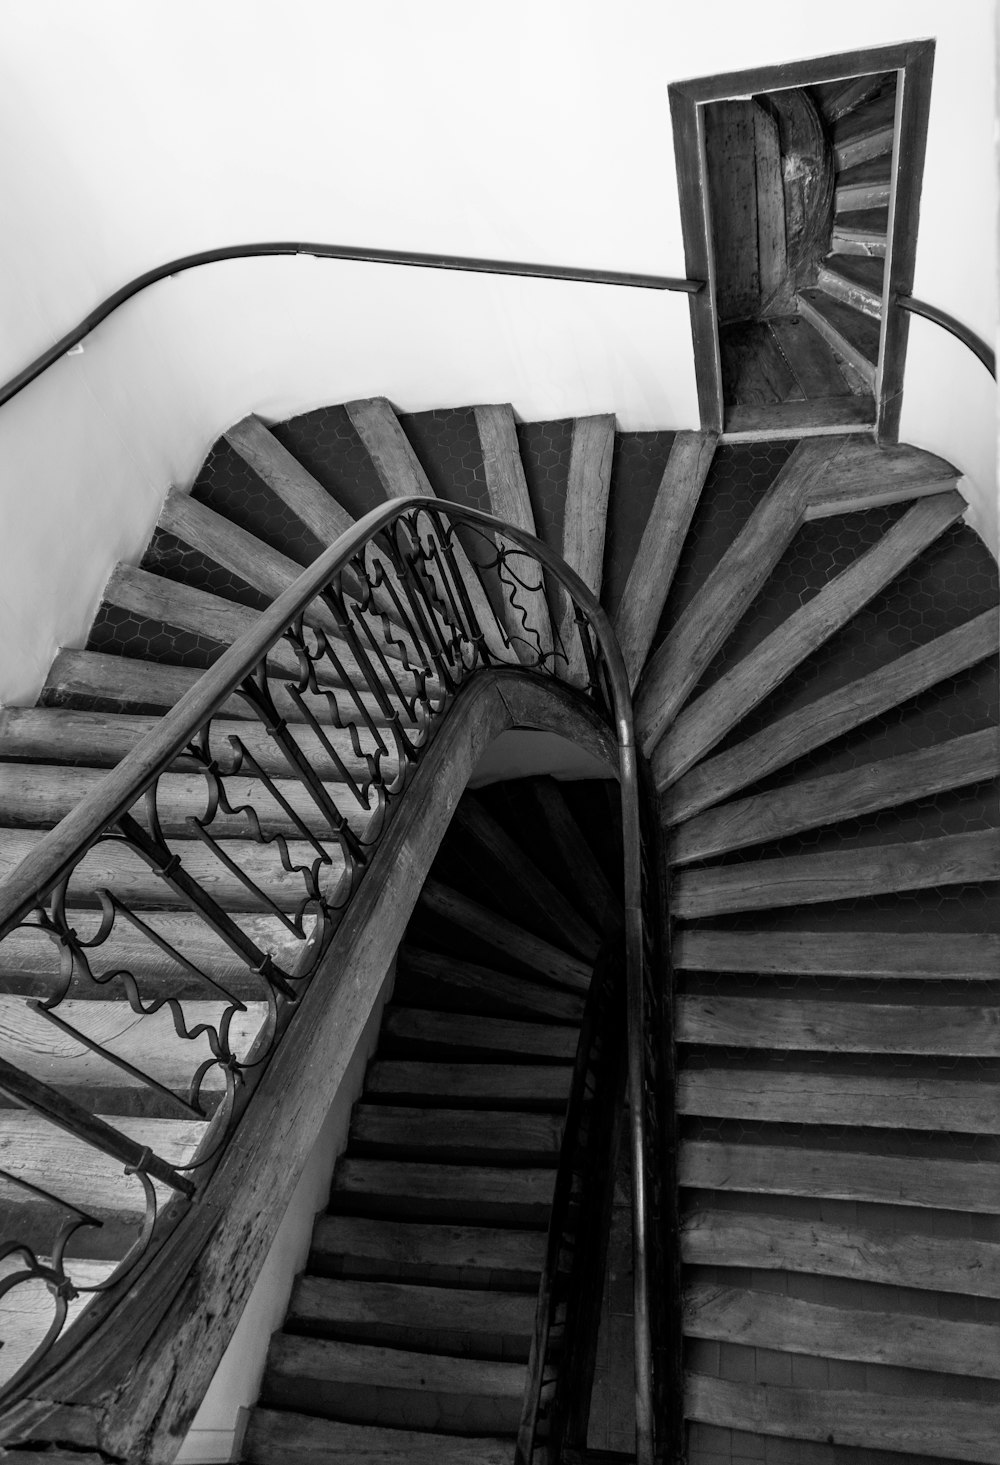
{"type": "Point", "coordinates": [950, 323]}
{"type": "Point", "coordinates": [467, 263]}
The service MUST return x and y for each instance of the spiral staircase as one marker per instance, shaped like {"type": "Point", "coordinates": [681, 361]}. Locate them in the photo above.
{"type": "Point", "coordinates": [811, 634]}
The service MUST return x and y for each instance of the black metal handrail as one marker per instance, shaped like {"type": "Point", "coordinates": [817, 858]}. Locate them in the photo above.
{"type": "Point", "coordinates": [961, 332]}
{"type": "Point", "coordinates": [468, 263]}
{"type": "Point", "coordinates": [408, 552]}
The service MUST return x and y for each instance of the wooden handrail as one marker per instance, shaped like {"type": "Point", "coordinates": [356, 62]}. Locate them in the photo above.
{"type": "Point", "coordinates": [466, 263]}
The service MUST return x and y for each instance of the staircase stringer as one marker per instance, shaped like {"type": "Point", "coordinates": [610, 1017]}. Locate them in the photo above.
{"type": "Point", "coordinates": [130, 1377]}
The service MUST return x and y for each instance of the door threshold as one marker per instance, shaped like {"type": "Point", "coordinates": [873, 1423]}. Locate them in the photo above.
{"type": "Point", "coordinates": [799, 419]}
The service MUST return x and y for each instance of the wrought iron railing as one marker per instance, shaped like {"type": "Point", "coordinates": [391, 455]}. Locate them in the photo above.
{"type": "Point", "coordinates": [202, 880]}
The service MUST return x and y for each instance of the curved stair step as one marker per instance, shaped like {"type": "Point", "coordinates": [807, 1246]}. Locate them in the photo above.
{"type": "Point", "coordinates": [457, 1135]}
{"type": "Point", "coordinates": [449, 1320]}
{"type": "Point", "coordinates": [861, 231]}
{"type": "Point", "coordinates": [852, 334]}
{"type": "Point", "coordinates": [293, 484]}
{"type": "Point", "coordinates": [466, 987]}
{"type": "Point", "coordinates": [442, 1252]}
{"type": "Point", "coordinates": [864, 186]}
{"type": "Point", "coordinates": [474, 1036]}
{"type": "Point", "coordinates": [391, 1386]}
{"type": "Point", "coordinates": [866, 132]}
{"type": "Point", "coordinates": [857, 280]}
{"type": "Point", "coordinates": [285, 1438]}
{"type": "Point", "coordinates": [836, 99]}
{"type": "Point", "coordinates": [493, 1194]}
{"type": "Point", "coordinates": [509, 1084]}
{"type": "Point", "coordinates": [505, 936]}
{"type": "Point", "coordinates": [111, 866]}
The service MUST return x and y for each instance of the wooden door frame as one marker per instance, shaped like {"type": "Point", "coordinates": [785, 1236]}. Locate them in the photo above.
{"type": "Point", "coordinates": [915, 61]}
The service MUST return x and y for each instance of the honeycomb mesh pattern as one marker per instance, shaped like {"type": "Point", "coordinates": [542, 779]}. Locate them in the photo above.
{"type": "Point", "coordinates": [233, 490]}
{"type": "Point", "coordinates": [448, 449]}
{"type": "Point", "coordinates": [169, 556]}
{"type": "Point", "coordinates": [123, 633]}
{"type": "Point", "coordinates": [545, 452]}
{"type": "Point", "coordinates": [327, 444]}
{"type": "Point", "coordinates": [636, 470]}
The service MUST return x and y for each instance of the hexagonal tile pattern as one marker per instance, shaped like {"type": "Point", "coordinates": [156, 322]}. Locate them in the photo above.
{"type": "Point", "coordinates": [446, 442]}
{"type": "Point", "coordinates": [326, 443]}
{"type": "Point", "coordinates": [636, 471]}
{"type": "Point", "coordinates": [230, 487]}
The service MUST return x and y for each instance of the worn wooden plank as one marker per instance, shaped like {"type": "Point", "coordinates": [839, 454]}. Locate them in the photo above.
{"type": "Point", "coordinates": [951, 859]}
{"type": "Point", "coordinates": [38, 796]}
{"type": "Point", "coordinates": [754, 370]}
{"type": "Point", "coordinates": [867, 185]}
{"type": "Point", "coordinates": [26, 1313]}
{"type": "Point", "coordinates": [453, 1193]}
{"type": "Point", "coordinates": [858, 280]}
{"type": "Point", "coordinates": [845, 97]}
{"type": "Point", "coordinates": [854, 1175]}
{"type": "Point", "coordinates": [952, 1429]}
{"type": "Point", "coordinates": [865, 474]}
{"type": "Point", "coordinates": [655, 563]}
{"type": "Point", "coordinates": [732, 188]}
{"type": "Point", "coordinates": [705, 722]}
{"type": "Point", "coordinates": [506, 936]}
{"type": "Point", "coordinates": [401, 475]}
{"type": "Point", "coordinates": [275, 1437]}
{"type": "Point", "coordinates": [940, 956]}
{"type": "Point", "coordinates": [159, 599]}
{"type": "Point", "coordinates": [890, 1257]}
{"type": "Point", "coordinates": [892, 1100]}
{"type": "Point", "coordinates": [509, 500]}
{"type": "Point", "coordinates": [839, 1027]}
{"type": "Point", "coordinates": [595, 895]}
{"type": "Point", "coordinates": [554, 911]}
{"type": "Point", "coordinates": [852, 334]}
{"type": "Point", "coordinates": [893, 1339]}
{"type": "Point", "coordinates": [973, 758]}
{"type": "Point", "coordinates": [389, 1312]}
{"type": "Point", "coordinates": [809, 357]}
{"type": "Point", "coordinates": [486, 990]}
{"type": "Point", "coordinates": [456, 1135]}
{"type": "Point", "coordinates": [675, 667]}
{"type": "Point", "coordinates": [770, 190]}
{"type": "Point", "coordinates": [584, 523]}
{"type": "Point", "coordinates": [263, 567]}
{"type": "Point", "coordinates": [831, 716]}
{"type": "Point", "coordinates": [867, 132]}
{"type": "Point", "coordinates": [286, 477]}
{"type": "Point", "coordinates": [417, 1028]}
{"type": "Point", "coordinates": [479, 1252]}
{"type": "Point", "coordinates": [687, 120]}
{"type": "Point", "coordinates": [861, 232]}
{"type": "Point", "coordinates": [470, 1083]}
{"type": "Point", "coordinates": [112, 866]}
{"type": "Point", "coordinates": [103, 739]}
{"type": "Point", "coordinates": [789, 419]}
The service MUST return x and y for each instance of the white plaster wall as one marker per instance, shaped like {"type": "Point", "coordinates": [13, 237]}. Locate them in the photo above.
{"type": "Point", "coordinates": [540, 131]}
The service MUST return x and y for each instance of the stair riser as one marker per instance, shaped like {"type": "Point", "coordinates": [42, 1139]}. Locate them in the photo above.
{"type": "Point", "coordinates": [854, 295]}
{"type": "Point", "coordinates": [395, 1408]}
{"type": "Point", "coordinates": [842, 347]}
{"type": "Point", "coordinates": [875, 247]}
{"type": "Point", "coordinates": [848, 155]}
{"type": "Point", "coordinates": [487, 1343]}
{"type": "Point", "coordinates": [443, 1208]}
{"type": "Point", "coordinates": [861, 196]}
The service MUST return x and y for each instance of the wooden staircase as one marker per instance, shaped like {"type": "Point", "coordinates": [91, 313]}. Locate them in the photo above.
{"type": "Point", "coordinates": [811, 632]}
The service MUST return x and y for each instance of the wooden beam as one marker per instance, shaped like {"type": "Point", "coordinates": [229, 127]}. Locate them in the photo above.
{"type": "Point", "coordinates": [509, 500]}
{"type": "Point", "coordinates": [963, 956]}
{"type": "Point", "coordinates": [584, 523]}
{"type": "Point", "coordinates": [716, 712]}
{"type": "Point", "coordinates": [715, 1238]}
{"type": "Point", "coordinates": [839, 1027]}
{"type": "Point", "coordinates": [920, 864]}
{"type": "Point", "coordinates": [274, 1433]}
{"type": "Point", "coordinates": [853, 1175]}
{"type": "Point", "coordinates": [892, 1339]}
{"type": "Point", "coordinates": [655, 563]}
{"type": "Point", "coordinates": [973, 758]}
{"type": "Point", "coordinates": [554, 911]}
{"type": "Point", "coordinates": [953, 1429]}
{"type": "Point", "coordinates": [286, 477]}
{"type": "Point", "coordinates": [675, 667]}
{"type": "Point", "coordinates": [831, 716]}
{"type": "Point", "coordinates": [866, 474]}
{"type": "Point", "coordinates": [156, 598]}
{"type": "Point", "coordinates": [897, 1099]}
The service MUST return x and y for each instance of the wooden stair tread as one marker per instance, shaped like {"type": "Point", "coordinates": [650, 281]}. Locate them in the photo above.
{"type": "Point", "coordinates": [863, 1253]}
{"type": "Point", "coordinates": [507, 1083]}
{"type": "Point", "coordinates": [454, 1192]}
{"type": "Point", "coordinates": [852, 1175]}
{"type": "Point", "coordinates": [809, 803]}
{"type": "Point", "coordinates": [585, 515]}
{"type": "Point", "coordinates": [472, 988]}
{"type": "Point", "coordinates": [456, 1133]}
{"type": "Point", "coordinates": [865, 474]}
{"type": "Point", "coordinates": [934, 1427]}
{"type": "Point", "coordinates": [482, 1035]}
{"type": "Point", "coordinates": [865, 119]}
{"type": "Point", "coordinates": [706, 721]}
{"type": "Point", "coordinates": [856, 1026]}
{"type": "Point", "coordinates": [506, 936]}
{"type": "Point", "coordinates": [862, 225]}
{"type": "Point", "coordinates": [856, 279]}
{"type": "Point", "coordinates": [837, 98]}
{"type": "Point", "coordinates": [326, 1360]}
{"type": "Point", "coordinates": [39, 795]}
{"type": "Point", "coordinates": [864, 184]}
{"type": "Point", "coordinates": [963, 956]}
{"type": "Point", "coordinates": [114, 867]}
{"type": "Point", "coordinates": [896, 1339]}
{"type": "Point", "coordinates": [832, 715]}
{"type": "Point", "coordinates": [328, 1303]}
{"type": "Point", "coordinates": [26, 1320]}
{"type": "Point", "coordinates": [900, 1099]}
{"type": "Point", "coordinates": [952, 859]}
{"type": "Point", "coordinates": [318, 510]}
{"type": "Point", "coordinates": [279, 1436]}
{"type": "Point", "coordinates": [491, 1251]}
{"type": "Point", "coordinates": [850, 332]}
